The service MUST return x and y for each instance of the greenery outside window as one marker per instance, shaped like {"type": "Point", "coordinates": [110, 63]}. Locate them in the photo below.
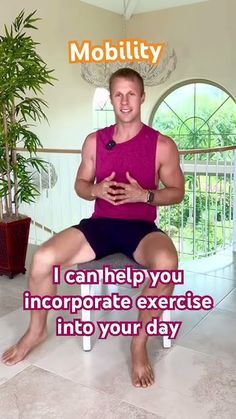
{"type": "Point", "coordinates": [200, 115]}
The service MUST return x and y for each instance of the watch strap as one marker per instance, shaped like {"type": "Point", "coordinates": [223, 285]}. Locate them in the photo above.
{"type": "Point", "coordinates": [150, 197]}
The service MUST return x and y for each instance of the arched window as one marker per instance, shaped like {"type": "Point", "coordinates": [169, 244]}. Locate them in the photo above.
{"type": "Point", "coordinates": [200, 115]}
{"type": "Point", "coordinates": [103, 114]}
{"type": "Point", "coordinates": [196, 114]}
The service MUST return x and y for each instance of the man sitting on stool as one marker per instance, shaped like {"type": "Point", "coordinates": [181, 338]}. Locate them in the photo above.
{"type": "Point", "coordinates": [127, 160]}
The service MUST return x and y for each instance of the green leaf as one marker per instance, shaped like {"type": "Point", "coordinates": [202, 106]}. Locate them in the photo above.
{"type": "Point", "coordinates": [6, 32]}
{"type": "Point", "coordinates": [23, 75]}
{"type": "Point", "coordinates": [28, 25]}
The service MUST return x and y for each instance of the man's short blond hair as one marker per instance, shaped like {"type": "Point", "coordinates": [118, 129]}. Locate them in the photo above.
{"type": "Point", "coordinates": [129, 74]}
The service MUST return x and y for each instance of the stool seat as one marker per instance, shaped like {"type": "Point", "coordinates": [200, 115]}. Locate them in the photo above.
{"type": "Point", "coordinates": [115, 261]}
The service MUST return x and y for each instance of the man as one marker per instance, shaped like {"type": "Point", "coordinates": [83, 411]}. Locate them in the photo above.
{"type": "Point", "coordinates": [127, 160]}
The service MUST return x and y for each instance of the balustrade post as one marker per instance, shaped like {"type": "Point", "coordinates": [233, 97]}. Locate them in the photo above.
{"type": "Point", "coordinates": [234, 206]}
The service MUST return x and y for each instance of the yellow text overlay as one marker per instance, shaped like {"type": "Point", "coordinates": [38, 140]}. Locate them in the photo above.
{"type": "Point", "coordinates": [125, 50]}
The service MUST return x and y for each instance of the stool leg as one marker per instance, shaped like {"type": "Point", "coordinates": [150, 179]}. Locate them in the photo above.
{"type": "Point", "coordinates": [166, 339]}
{"type": "Point", "coordinates": [86, 316]}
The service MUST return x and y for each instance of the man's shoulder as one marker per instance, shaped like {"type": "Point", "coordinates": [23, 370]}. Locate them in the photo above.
{"type": "Point", "coordinates": [91, 137]}
{"type": "Point", "coordinates": [166, 142]}
{"type": "Point", "coordinates": [99, 132]}
{"type": "Point", "coordinates": [167, 149]}
{"type": "Point", "coordinates": [89, 142]}
{"type": "Point", "coordinates": [89, 145]}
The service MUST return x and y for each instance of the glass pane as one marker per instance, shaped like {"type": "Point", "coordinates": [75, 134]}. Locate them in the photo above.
{"type": "Point", "coordinates": [223, 125]}
{"type": "Point", "coordinates": [208, 99]}
{"type": "Point", "coordinates": [197, 115]}
{"type": "Point", "coordinates": [101, 99]}
{"type": "Point", "coordinates": [181, 101]}
{"type": "Point", "coordinates": [166, 121]}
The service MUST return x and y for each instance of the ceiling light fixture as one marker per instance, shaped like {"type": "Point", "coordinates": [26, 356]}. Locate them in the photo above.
{"type": "Point", "coordinates": [98, 74]}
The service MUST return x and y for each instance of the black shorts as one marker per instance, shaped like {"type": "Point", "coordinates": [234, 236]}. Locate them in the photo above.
{"type": "Point", "coordinates": [111, 235]}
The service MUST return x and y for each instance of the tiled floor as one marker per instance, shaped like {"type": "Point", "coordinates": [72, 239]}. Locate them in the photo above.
{"type": "Point", "coordinates": [196, 378]}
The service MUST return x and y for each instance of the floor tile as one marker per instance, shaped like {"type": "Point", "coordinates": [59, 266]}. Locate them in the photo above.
{"type": "Point", "coordinates": [229, 302]}
{"type": "Point", "coordinates": [7, 372]}
{"type": "Point", "coordinates": [9, 302]}
{"type": "Point", "coordinates": [106, 367]}
{"type": "Point", "coordinates": [195, 378]}
{"type": "Point", "coordinates": [222, 266]}
{"type": "Point", "coordinates": [199, 284]}
{"type": "Point", "coordinates": [214, 334]}
{"type": "Point", "coordinates": [55, 397]}
{"type": "Point", "coordinates": [190, 372]}
{"type": "Point", "coordinates": [189, 380]}
{"type": "Point", "coordinates": [168, 403]}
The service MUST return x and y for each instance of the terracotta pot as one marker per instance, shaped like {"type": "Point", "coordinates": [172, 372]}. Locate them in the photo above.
{"type": "Point", "coordinates": [13, 246]}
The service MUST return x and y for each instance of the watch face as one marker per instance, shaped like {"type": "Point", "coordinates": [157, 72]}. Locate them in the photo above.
{"type": "Point", "coordinates": [151, 197]}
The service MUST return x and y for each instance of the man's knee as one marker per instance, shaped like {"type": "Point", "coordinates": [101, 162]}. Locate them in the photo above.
{"type": "Point", "coordinates": [43, 260]}
{"type": "Point", "coordinates": [166, 258]}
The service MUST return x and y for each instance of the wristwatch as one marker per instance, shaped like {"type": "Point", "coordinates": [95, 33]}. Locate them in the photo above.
{"type": "Point", "coordinates": [150, 197]}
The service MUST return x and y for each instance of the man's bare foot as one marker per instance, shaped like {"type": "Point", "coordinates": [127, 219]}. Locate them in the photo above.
{"type": "Point", "coordinates": [18, 352]}
{"type": "Point", "coordinates": [142, 373]}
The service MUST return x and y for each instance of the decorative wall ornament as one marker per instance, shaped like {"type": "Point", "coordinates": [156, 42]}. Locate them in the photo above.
{"type": "Point", "coordinates": [46, 178]}
{"type": "Point", "coordinates": [98, 74]}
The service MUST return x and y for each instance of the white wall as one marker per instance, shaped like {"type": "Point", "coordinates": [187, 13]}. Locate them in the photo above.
{"type": "Point", "coordinates": [203, 36]}
{"type": "Point", "coordinates": [70, 101]}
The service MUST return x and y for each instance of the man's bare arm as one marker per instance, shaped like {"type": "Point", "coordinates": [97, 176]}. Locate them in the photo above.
{"type": "Point", "coordinates": [170, 174]}
{"type": "Point", "coordinates": [86, 173]}
{"type": "Point", "coordinates": [84, 183]}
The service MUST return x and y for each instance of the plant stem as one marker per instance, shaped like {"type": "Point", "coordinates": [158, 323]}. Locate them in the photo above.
{"type": "Point", "coordinates": [5, 199]}
{"type": "Point", "coordinates": [16, 200]}
{"type": "Point", "coordinates": [8, 163]}
{"type": "Point", "coordinates": [1, 209]}
{"type": "Point", "coordinates": [14, 160]}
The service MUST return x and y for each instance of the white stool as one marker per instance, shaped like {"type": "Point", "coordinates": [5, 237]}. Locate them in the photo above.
{"type": "Point", "coordinates": [115, 261]}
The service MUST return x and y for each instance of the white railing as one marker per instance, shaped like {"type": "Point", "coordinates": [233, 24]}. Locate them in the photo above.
{"type": "Point", "coordinates": [203, 223]}
{"type": "Point", "coordinates": [58, 207]}
{"type": "Point", "coordinates": [199, 226]}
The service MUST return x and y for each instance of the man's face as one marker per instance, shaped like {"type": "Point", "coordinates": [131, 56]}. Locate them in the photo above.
{"type": "Point", "coordinates": [126, 99]}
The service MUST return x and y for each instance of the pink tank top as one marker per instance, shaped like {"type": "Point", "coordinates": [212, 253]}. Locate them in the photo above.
{"type": "Point", "coordinates": [136, 156]}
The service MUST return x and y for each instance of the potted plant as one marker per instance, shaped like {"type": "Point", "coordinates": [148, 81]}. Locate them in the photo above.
{"type": "Point", "coordinates": [23, 74]}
